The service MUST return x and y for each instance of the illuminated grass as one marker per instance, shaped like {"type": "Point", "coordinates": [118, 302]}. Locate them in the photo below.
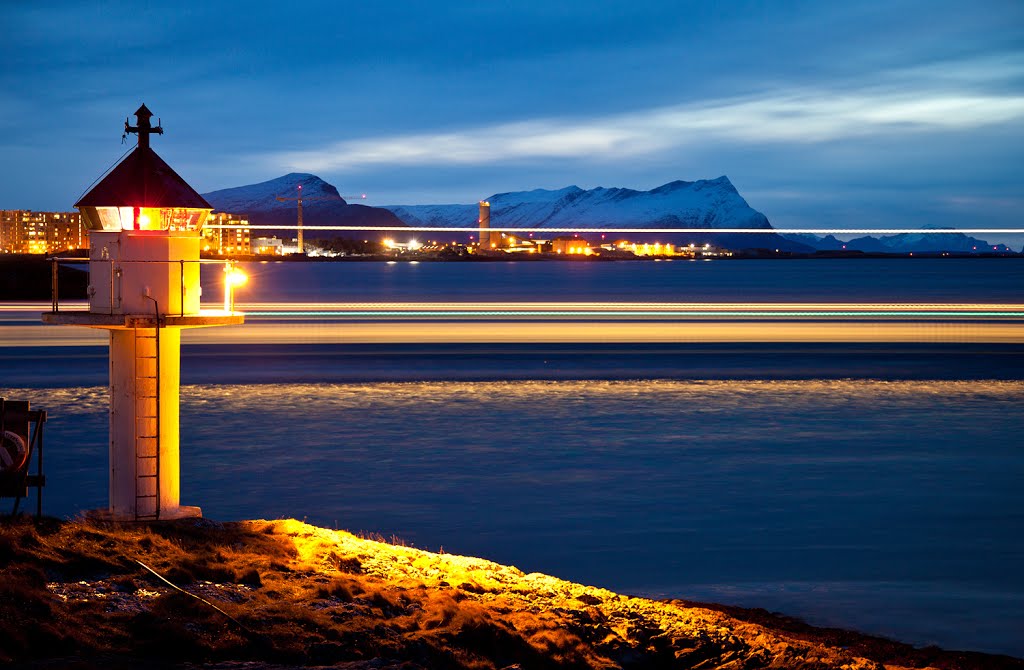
{"type": "Point", "coordinates": [71, 594]}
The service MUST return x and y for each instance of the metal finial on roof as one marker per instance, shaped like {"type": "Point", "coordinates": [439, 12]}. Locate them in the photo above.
{"type": "Point", "coordinates": [142, 126]}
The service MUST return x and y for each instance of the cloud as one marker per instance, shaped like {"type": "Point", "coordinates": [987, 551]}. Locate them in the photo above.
{"type": "Point", "coordinates": [974, 202]}
{"type": "Point", "coordinates": [807, 116]}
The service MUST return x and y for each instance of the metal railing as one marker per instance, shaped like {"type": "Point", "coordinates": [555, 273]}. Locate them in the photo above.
{"type": "Point", "coordinates": [115, 273]}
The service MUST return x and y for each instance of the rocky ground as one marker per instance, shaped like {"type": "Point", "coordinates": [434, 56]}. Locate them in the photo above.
{"type": "Point", "coordinates": [258, 595]}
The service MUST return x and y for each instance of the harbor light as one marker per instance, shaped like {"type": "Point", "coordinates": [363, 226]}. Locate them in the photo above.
{"type": "Point", "coordinates": [145, 229]}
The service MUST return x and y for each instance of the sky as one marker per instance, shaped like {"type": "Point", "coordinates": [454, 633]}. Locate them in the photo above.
{"type": "Point", "coordinates": [901, 113]}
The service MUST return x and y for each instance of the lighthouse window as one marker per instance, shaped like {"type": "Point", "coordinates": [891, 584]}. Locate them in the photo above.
{"type": "Point", "coordinates": [145, 218]}
{"type": "Point", "coordinates": [127, 217]}
{"type": "Point", "coordinates": [173, 218]}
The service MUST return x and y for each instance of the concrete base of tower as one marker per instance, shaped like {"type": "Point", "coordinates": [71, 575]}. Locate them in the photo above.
{"type": "Point", "coordinates": [179, 512]}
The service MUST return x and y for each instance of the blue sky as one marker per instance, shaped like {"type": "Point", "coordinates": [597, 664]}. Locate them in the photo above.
{"type": "Point", "coordinates": [899, 113]}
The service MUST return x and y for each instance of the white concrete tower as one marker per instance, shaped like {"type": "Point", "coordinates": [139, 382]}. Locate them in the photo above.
{"type": "Point", "coordinates": [485, 223]}
{"type": "Point", "coordinates": [145, 224]}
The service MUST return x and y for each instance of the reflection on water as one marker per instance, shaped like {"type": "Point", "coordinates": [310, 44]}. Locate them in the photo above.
{"type": "Point", "coordinates": [781, 489]}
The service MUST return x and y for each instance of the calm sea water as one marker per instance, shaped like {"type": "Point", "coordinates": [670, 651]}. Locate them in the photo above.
{"type": "Point", "coordinates": [873, 280]}
{"type": "Point", "coordinates": [864, 497]}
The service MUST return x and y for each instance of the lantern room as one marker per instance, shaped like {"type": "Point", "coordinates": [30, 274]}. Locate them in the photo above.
{"type": "Point", "coordinates": [141, 218]}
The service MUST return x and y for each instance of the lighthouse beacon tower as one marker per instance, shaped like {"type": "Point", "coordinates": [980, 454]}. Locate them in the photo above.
{"type": "Point", "coordinates": [145, 224]}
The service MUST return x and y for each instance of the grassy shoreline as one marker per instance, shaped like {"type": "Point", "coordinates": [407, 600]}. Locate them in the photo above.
{"type": "Point", "coordinates": [286, 594]}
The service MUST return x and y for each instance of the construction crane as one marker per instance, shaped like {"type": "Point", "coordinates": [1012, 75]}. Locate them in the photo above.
{"type": "Point", "coordinates": [299, 198]}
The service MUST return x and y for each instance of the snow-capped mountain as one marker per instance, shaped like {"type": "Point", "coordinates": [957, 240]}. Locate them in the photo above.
{"type": "Point", "coordinates": [322, 205]}
{"type": "Point", "coordinates": [904, 243]}
{"type": "Point", "coordinates": [710, 203]}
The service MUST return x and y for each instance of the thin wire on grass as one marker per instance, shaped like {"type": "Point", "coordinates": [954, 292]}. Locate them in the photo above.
{"type": "Point", "coordinates": [192, 595]}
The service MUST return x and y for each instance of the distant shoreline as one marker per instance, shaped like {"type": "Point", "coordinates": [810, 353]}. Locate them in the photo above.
{"type": "Point", "coordinates": [542, 258]}
{"type": "Point", "coordinates": [6, 260]}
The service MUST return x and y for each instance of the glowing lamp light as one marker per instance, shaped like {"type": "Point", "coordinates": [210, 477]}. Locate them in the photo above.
{"type": "Point", "coordinates": [233, 277]}
{"type": "Point", "coordinates": [236, 277]}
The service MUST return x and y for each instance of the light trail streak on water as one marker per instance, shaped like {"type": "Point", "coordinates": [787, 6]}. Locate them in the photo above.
{"type": "Point", "coordinates": [569, 332]}
{"type": "Point", "coordinates": [566, 322]}
{"type": "Point", "coordinates": [558, 309]}
{"type": "Point", "coordinates": [510, 312]}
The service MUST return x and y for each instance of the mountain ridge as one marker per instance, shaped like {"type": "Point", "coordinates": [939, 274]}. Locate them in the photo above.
{"type": "Point", "coordinates": [706, 203]}
{"type": "Point", "coordinates": [322, 205]}
{"type": "Point", "coordinates": [958, 243]}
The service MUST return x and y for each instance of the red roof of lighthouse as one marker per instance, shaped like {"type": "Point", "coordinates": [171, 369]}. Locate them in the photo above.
{"type": "Point", "coordinates": [143, 179]}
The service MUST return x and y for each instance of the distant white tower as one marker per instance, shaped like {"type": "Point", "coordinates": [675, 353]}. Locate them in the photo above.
{"type": "Point", "coordinates": [145, 224]}
{"type": "Point", "coordinates": [485, 224]}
